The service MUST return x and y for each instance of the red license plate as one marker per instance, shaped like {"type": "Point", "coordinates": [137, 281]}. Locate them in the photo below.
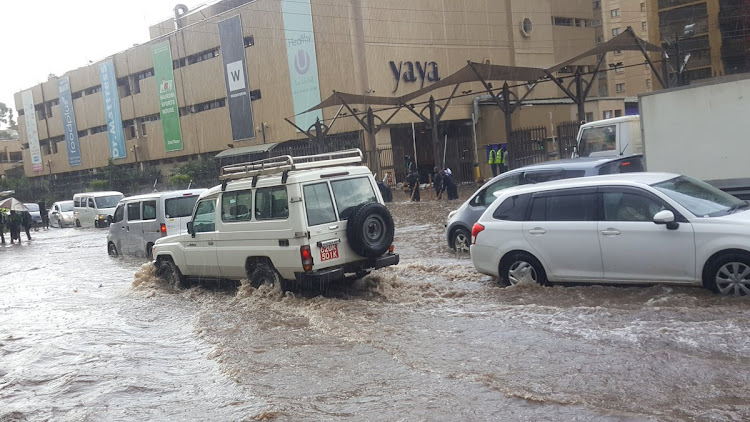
{"type": "Point", "coordinates": [329, 252]}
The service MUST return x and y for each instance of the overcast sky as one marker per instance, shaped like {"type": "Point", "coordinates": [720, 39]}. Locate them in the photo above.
{"type": "Point", "coordinates": [53, 36]}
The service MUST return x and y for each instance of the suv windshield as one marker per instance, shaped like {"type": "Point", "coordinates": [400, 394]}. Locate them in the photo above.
{"type": "Point", "coordinates": [107, 201]}
{"type": "Point", "coordinates": [700, 198]}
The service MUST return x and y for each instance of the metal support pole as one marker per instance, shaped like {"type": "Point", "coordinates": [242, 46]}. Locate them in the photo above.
{"type": "Point", "coordinates": [434, 126]}
{"type": "Point", "coordinates": [371, 146]}
{"type": "Point", "coordinates": [679, 59]}
{"type": "Point", "coordinates": [507, 111]}
{"type": "Point", "coordinates": [580, 97]}
{"type": "Point", "coordinates": [319, 136]}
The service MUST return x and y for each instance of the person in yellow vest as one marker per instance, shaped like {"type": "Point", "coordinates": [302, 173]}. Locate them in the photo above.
{"type": "Point", "coordinates": [502, 159]}
{"type": "Point", "coordinates": [492, 161]}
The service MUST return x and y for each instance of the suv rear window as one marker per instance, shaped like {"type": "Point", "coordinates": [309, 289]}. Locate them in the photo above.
{"type": "Point", "coordinates": [318, 204]}
{"type": "Point", "coordinates": [180, 207]}
{"type": "Point", "coordinates": [352, 192]}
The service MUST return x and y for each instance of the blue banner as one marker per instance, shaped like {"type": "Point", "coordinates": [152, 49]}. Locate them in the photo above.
{"type": "Point", "coordinates": [68, 116]}
{"type": "Point", "coordinates": [112, 110]}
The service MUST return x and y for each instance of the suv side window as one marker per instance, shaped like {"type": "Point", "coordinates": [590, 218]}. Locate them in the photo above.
{"type": "Point", "coordinates": [205, 217]}
{"type": "Point", "coordinates": [351, 192]}
{"type": "Point", "coordinates": [271, 203]}
{"type": "Point", "coordinates": [564, 207]}
{"type": "Point", "coordinates": [134, 211]}
{"type": "Point", "coordinates": [149, 210]}
{"type": "Point", "coordinates": [119, 214]}
{"type": "Point", "coordinates": [236, 206]}
{"type": "Point", "coordinates": [486, 196]}
{"type": "Point", "coordinates": [513, 208]}
{"type": "Point", "coordinates": [624, 206]}
{"type": "Point", "coordinates": [318, 204]}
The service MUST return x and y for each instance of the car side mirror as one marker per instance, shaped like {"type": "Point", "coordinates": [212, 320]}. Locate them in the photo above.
{"type": "Point", "coordinates": [666, 217]}
{"type": "Point", "coordinates": [190, 228]}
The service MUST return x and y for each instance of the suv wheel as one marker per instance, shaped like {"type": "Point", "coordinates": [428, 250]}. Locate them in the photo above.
{"type": "Point", "coordinates": [264, 274]}
{"type": "Point", "coordinates": [461, 240]}
{"type": "Point", "coordinates": [168, 271]}
{"type": "Point", "coordinates": [370, 230]}
{"type": "Point", "coordinates": [729, 275]}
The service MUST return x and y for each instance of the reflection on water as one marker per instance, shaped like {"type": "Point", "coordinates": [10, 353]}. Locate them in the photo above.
{"type": "Point", "coordinates": [430, 339]}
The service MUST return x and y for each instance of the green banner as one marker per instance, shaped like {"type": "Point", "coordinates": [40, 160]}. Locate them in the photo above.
{"type": "Point", "coordinates": [168, 108]}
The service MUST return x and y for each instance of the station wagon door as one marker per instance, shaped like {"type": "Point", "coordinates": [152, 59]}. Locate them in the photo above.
{"type": "Point", "coordinates": [327, 234]}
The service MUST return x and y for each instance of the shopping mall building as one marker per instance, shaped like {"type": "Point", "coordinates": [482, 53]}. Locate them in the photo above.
{"type": "Point", "coordinates": [224, 78]}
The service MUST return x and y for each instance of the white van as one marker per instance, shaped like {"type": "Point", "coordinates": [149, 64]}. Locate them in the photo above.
{"type": "Point", "coordinates": [139, 220]}
{"type": "Point", "coordinates": [617, 136]}
{"type": "Point", "coordinates": [91, 209]}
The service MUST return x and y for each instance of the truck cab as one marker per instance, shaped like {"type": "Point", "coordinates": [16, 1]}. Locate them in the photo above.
{"type": "Point", "coordinates": [617, 136]}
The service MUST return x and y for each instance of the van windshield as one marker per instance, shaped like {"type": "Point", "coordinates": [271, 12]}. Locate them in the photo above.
{"type": "Point", "coordinates": [180, 207]}
{"type": "Point", "coordinates": [598, 139]}
{"type": "Point", "coordinates": [107, 201]}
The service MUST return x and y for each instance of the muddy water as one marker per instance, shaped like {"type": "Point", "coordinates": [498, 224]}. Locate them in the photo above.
{"type": "Point", "coordinates": [86, 337]}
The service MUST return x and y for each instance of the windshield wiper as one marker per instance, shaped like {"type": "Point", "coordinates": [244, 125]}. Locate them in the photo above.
{"type": "Point", "coordinates": [738, 207]}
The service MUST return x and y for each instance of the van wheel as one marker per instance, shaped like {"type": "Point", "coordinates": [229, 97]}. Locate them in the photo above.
{"type": "Point", "coordinates": [60, 223]}
{"type": "Point", "coordinates": [78, 223]}
{"type": "Point", "coordinates": [112, 249]}
{"type": "Point", "coordinates": [370, 230]}
{"type": "Point", "coordinates": [263, 273]}
{"type": "Point", "coordinates": [168, 271]}
{"type": "Point", "coordinates": [149, 252]}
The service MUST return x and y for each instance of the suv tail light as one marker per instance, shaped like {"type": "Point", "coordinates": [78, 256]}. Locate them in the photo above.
{"type": "Point", "coordinates": [307, 259]}
{"type": "Point", "coordinates": [163, 229]}
{"type": "Point", "coordinates": [475, 231]}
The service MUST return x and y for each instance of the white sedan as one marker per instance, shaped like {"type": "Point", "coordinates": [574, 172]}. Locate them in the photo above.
{"type": "Point", "coordinates": [637, 228]}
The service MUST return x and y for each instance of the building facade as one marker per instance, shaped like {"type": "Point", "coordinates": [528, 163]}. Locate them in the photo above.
{"type": "Point", "coordinates": [625, 72]}
{"type": "Point", "coordinates": [228, 75]}
{"type": "Point", "coordinates": [714, 33]}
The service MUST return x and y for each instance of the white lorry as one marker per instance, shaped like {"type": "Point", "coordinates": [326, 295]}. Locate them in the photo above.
{"type": "Point", "coordinates": [701, 130]}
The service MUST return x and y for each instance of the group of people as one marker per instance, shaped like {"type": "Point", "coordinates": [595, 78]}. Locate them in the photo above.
{"type": "Point", "coordinates": [442, 181]}
{"type": "Point", "coordinates": [15, 220]}
{"type": "Point", "coordinates": [498, 160]}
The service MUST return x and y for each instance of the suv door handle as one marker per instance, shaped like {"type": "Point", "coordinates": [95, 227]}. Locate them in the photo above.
{"type": "Point", "coordinates": [611, 232]}
{"type": "Point", "coordinates": [210, 242]}
{"type": "Point", "coordinates": [537, 230]}
{"type": "Point", "coordinates": [333, 227]}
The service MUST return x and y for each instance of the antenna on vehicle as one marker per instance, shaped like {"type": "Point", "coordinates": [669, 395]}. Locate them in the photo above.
{"type": "Point", "coordinates": [190, 184]}
{"type": "Point", "coordinates": [155, 180]}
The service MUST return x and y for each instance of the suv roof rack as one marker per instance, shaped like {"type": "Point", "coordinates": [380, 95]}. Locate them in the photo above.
{"type": "Point", "coordinates": [286, 163]}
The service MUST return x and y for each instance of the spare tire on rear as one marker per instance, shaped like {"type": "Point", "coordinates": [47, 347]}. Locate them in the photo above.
{"type": "Point", "coordinates": [370, 230]}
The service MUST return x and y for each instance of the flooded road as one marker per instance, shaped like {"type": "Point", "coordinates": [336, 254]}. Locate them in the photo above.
{"type": "Point", "coordinates": [87, 337]}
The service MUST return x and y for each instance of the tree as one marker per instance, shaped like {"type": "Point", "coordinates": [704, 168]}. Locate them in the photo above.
{"type": "Point", "coordinates": [6, 115]}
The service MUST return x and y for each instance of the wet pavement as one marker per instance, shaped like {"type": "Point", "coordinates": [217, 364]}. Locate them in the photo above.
{"type": "Point", "coordinates": [87, 337]}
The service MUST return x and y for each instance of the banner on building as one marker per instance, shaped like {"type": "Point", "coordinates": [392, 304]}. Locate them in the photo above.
{"type": "Point", "coordinates": [302, 60]}
{"type": "Point", "coordinates": [168, 106]}
{"type": "Point", "coordinates": [112, 110]}
{"type": "Point", "coordinates": [235, 67]}
{"type": "Point", "coordinates": [31, 130]}
{"type": "Point", "coordinates": [68, 116]}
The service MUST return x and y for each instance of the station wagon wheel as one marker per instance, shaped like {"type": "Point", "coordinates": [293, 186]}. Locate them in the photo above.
{"type": "Point", "coordinates": [112, 249]}
{"type": "Point", "coordinates": [461, 240]}
{"type": "Point", "coordinates": [522, 268]}
{"type": "Point", "coordinates": [730, 275]}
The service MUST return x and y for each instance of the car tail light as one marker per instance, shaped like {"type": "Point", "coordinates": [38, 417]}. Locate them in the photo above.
{"type": "Point", "coordinates": [391, 249]}
{"type": "Point", "coordinates": [307, 259]}
{"type": "Point", "coordinates": [475, 231]}
{"type": "Point", "coordinates": [163, 229]}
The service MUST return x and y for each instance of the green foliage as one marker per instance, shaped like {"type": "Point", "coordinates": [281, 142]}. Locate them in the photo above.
{"type": "Point", "coordinates": [96, 185]}
{"type": "Point", "coordinates": [6, 115]}
{"type": "Point", "coordinates": [180, 181]}
{"type": "Point", "coordinates": [26, 189]}
{"type": "Point", "coordinates": [202, 172]}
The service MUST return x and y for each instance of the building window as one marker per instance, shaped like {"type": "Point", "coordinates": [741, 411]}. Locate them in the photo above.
{"type": "Point", "coordinates": [607, 114]}
{"type": "Point", "coordinates": [619, 69]}
{"type": "Point", "coordinates": [618, 113]}
{"type": "Point", "coordinates": [82, 133]}
{"type": "Point", "coordinates": [98, 129]}
{"type": "Point", "coordinates": [599, 39]}
{"type": "Point", "coordinates": [92, 90]}
{"type": "Point", "coordinates": [643, 7]}
{"type": "Point", "coordinates": [589, 116]}
{"type": "Point", "coordinates": [178, 63]}
{"type": "Point", "coordinates": [249, 41]}
{"type": "Point", "coordinates": [123, 87]}
{"type": "Point", "coordinates": [615, 13]}
{"type": "Point", "coordinates": [526, 27]}
{"type": "Point", "coordinates": [615, 32]}
{"type": "Point", "coordinates": [620, 87]}
{"type": "Point", "coordinates": [203, 55]}
{"type": "Point", "coordinates": [558, 21]}
{"type": "Point", "coordinates": [597, 5]}
{"type": "Point", "coordinates": [594, 23]}
{"type": "Point", "coordinates": [77, 94]}
{"type": "Point", "coordinates": [644, 25]}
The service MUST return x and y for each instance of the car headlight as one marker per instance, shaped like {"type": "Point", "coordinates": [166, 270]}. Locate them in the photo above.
{"type": "Point", "coordinates": [102, 217]}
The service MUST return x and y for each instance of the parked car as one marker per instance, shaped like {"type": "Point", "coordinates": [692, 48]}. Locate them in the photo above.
{"type": "Point", "coordinates": [287, 220]}
{"type": "Point", "coordinates": [36, 216]}
{"type": "Point", "coordinates": [61, 214]}
{"type": "Point", "coordinates": [138, 221]}
{"type": "Point", "coordinates": [460, 221]}
{"type": "Point", "coordinates": [639, 228]}
{"type": "Point", "coordinates": [92, 209]}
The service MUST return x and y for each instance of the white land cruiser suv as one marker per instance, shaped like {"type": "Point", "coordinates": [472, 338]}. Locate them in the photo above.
{"type": "Point", "coordinates": [295, 221]}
